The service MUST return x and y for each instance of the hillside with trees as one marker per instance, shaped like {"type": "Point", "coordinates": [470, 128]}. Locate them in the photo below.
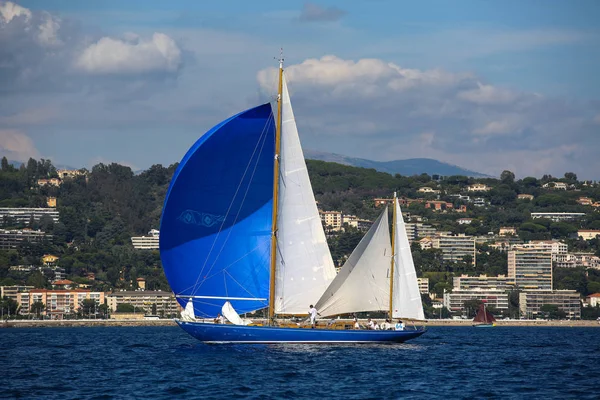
{"type": "Point", "coordinates": [103, 208]}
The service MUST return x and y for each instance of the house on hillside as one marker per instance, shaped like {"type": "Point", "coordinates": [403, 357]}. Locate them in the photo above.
{"type": "Point", "coordinates": [479, 187]}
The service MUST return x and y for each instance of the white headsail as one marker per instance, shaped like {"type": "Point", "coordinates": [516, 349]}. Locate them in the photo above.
{"type": "Point", "coordinates": [363, 282]}
{"type": "Point", "coordinates": [304, 265]}
{"type": "Point", "coordinates": [406, 299]}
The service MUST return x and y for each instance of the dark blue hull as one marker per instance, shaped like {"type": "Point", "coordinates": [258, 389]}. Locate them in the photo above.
{"type": "Point", "coordinates": [218, 333]}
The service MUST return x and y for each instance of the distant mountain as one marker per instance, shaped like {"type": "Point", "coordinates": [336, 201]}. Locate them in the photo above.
{"type": "Point", "coordinates": [409, 167]}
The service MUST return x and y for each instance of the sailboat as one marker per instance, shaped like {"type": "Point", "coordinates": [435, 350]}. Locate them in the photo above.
{"type": "Point", "coordinates": [483, 318]}
{"type": "Point", "coordinates": [240, 232]}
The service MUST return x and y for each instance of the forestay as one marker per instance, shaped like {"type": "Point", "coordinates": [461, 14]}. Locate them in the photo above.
{"type": "Point", "coordinates": [304, 265]}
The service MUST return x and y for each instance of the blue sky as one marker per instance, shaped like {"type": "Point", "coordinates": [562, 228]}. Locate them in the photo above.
{"type": "Point", "coordinates": [486, 85]}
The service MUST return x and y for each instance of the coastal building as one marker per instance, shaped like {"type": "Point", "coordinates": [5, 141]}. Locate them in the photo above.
{"type": "Point", "coordinates": [530, 268]}
{"type": "Point", "coordinates": [382, 202]}
{"type": "Point", "coordinates": [555, 185]}
{"type": "Point", "coordinates": [428, 190]}
{"type": "Point", "coordinates": [423, 285]}
{"type": "Point", "coordinates": [12, 238]}
{"type": "Point", "coordinates": [507, 231]}
{"type": "Point", "coordinates": [574, 260]}
{"type": "Point", "coordinates": [332, 220]}
{"type": "Point", "coordinates": [165, 302]}
{"type": "Point", "coordinates": [49, 260]}
{"type": "Point", "coordinates": [355, 222]}
{"type": "Point", "coordinates": [588, 234]}
{"type": "Point", "coordinates": [479, 187]}
{"type": "Point", "coordinates": [149, 242]}
{"type": "Point", "coordinates": [483, 282]}
{"type": "Point", "coordinates": [555, 247]}
{"type": "Point", "coordinates": [60, 302]}
{"type": "Point", "coordinates": [13, 291]}
{"type": "Point", "coordinates": [558, 216]}
{"type": "Point", "coordinates": [585, 201]}
{"type": "Point", "coordinates": [439, 205]}
{"type": "Point", "coordinates": [455, 247]}
{"type": "Point", "coordinates": [418, 230]}
{"type": "Point", "coordinates": [455, 300]}
{"type": "Point", "coordinates": [593, 300]}
{"type": "Point", "coordinates": [25, 215]}
{"type": "Point", "coordinates": [479, 202]}
{"type": "Point", "coordinates": [464, 221]}
{"type": "Point", "coordinates": [51, 202]}
{"type": "Point", "coordinates": [49, 182]}
{"type": "Point", "coordinates": [69, 173]}
{"type": "Point", "coordinates": [531, 302]}
{"type": "Point", "coordinates": [524, 196]}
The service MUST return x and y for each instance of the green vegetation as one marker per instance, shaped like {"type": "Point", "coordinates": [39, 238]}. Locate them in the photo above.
{"type": "Point", "coordinates": [101, 210]}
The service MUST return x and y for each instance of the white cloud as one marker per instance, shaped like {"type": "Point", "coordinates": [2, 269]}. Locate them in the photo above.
{"type": "Point", "coordinates": [487, 94]}
{"type": "Point", "coordinates": [10, 10]}
{"type": "Point", "coordinates": [452, 117]}
{"type": "Point", "coordinates": [115, 56]}
{"type": "Point", "coordinates": [48, 30]}
{"type": "Point", "coordinates": [16, 145]}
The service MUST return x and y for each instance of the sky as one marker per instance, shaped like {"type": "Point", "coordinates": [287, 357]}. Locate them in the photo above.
{"type": "Point", "coordinates": [486, 85]}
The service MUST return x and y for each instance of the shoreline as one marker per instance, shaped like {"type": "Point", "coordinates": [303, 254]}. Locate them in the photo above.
{"type": "Point", "coordinates": [170, 322]}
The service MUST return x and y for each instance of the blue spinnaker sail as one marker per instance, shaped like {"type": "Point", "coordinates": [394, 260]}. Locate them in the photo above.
{"type": "Point", "coordinates": [216, 224]}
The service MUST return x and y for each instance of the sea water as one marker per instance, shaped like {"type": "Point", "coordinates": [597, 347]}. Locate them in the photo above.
{"type": "Point", "coordinates": [166, 363]}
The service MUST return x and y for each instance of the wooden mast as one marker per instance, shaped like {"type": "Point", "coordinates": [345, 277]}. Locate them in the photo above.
{"type": "Point", "coordinates": [393, 258]}
{"type": "Point", "coordinates": [275, 194]}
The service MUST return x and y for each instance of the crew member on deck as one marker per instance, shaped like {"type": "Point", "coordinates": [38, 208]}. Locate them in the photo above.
{"type": "Point", "coordinates": [399, 326]}
{"type": "Point", "coordinates": [312, 312]}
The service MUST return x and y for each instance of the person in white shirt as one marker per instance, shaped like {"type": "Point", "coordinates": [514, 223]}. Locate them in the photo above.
{"type": "Point", "coordinates": [371, 324]}
{"type": "Point", "coordinates": [399, 326]}
{"type": "Point", "coordinates": [219, 319]}
{"type": "Point", "coordinates": [376, 327]}
{"type": "Point", "coordinates": [312, 312]}
{"type": "Point", "coordinates": [386, 325]}
{"type": "Point", "coordinates": [356, 324]}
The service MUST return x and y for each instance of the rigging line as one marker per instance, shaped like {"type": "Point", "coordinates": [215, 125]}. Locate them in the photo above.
{"type": "Point", "coordinates": [233, 263]}
{"type": "Point", "coordinates": [262, 140]}
{"type": "Point", "coordinates": [247, 291]}
{"type": "Point", "coordinates": [198, 283]}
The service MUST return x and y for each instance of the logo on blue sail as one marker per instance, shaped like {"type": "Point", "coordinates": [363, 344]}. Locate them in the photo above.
{"type": "Point", "coordinates": [207, 220]}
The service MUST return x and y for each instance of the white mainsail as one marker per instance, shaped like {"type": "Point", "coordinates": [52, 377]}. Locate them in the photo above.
{"type": "Point", "coordinates": [304, 265]}
{"type": "Point", "coordinates": [363, 282]}
{"type": "Point", "coordinates": [406, 299]}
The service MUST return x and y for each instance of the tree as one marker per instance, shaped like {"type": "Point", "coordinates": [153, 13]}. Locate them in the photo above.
{"type": "Point", "coordinates": [471, 307]}
{"type": "Point", "coordinates": [507, 177]}
{"type": "Point", "coordinates": [89, 307]}
{"type": "Point", "coordinates": [37, 308]}
{"type": "Point", "coordinates": [552, 311]}
{"type": "Point", "coordinates": [8, 307]}
{"type": "Point", "coordinates": [5, 164]}
{"type": "Point", "coordinates": [571, 177]}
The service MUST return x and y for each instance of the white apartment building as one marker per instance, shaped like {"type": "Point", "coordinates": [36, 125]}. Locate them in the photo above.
{"type": "Point", "coordinates": [11, 239]}
{"type": "Point", "coordinates": [483, 282]}
{"type": "Point", "coordinates": [165, 302]}
{"type": "Point", "coordinates": [557, 216]}
{"type": "Point", "coordinates": [455, 247]}
{"type": "Point", "coordinates": [149, 242]}
{"type": "Point", "coordinates": [573, 260]}
{"type": "Point", "coordinates": [455, 300]}
{"type": "Point", "coordinates": [588, 234]}
{"type": "Point", "coordinates": [423, 285]}
{"type": "Point", "coordinates": [530, 268]}
{"type": "Point", "coordinates": [418, 230]}
{"type": "Point", "coordinates": [23, 215]}
{"type": "Point", "coordinates": [531, 302]}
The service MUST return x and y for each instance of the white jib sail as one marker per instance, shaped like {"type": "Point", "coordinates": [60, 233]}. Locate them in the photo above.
{"type": "Point", "coordinates": [232, 316]}
{"type": "Point", "coordinates": [304, 265]}
{"type": "Point", "coordinates": [363, 282]}
{"type": "Point", "coordinates": [188, 312]}
{"type": "Point", "coordinates": [406, 299]}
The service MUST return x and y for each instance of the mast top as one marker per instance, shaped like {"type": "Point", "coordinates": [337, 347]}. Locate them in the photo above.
{"type": "Point", "coordinates": [281, 59]}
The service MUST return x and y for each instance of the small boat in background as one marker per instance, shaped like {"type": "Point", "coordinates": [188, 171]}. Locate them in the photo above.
{"type": "Point", "coordinates": [484, 318]}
